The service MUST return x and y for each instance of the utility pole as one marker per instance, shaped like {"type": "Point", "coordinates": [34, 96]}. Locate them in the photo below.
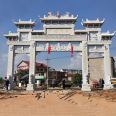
{"type": "Point", "coordinates": [47, 75]}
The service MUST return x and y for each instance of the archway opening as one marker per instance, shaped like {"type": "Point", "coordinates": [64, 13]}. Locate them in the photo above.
{"type": "Point", "coordinates": [60, 65]}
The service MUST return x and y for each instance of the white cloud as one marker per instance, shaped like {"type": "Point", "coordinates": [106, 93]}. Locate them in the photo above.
{"type": "Point", "coordinates": [19, 58]}
{"type": "Point", "coordinates": [76, 62]}
{"type": "Point", "coordinates": [64, 62]}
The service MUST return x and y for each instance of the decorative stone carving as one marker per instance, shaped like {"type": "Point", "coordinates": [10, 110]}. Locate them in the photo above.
{"type": "Point", "coordinates": [65, 46]}
{"type": "Point", "coordinates": [106, 47]}
{"type": "Point", "coordinates": [33, 44]}
{"type": "Point", "coordinates": [84, 45]}
{"type": "Point", "coordinates": [11, 47]}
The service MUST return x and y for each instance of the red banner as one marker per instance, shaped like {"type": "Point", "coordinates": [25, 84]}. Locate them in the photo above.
{"type": "Point", "coordinates": [49, 49]}
{"type": "Point", "coordinates": [72, 51]}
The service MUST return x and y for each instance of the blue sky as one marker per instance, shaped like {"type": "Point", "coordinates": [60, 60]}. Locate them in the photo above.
{"type": "Point", "coordinates": [12, 10]}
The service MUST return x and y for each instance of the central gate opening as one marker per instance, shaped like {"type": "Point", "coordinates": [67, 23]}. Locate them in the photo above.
{"type": "Point", "coordinates": [58, 66]}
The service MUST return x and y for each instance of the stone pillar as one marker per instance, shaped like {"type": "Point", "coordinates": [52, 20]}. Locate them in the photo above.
{"type": "Point", "coordinates": [30, 85]}
{"type": "Point", "coordinates": [107, 68]}
{"type": "Point", "coordinates": [85, 78]}
{"type": "Point", "coordinates": [10, 66]}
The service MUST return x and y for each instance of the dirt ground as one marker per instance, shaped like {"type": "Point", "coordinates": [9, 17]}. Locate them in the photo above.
{"type": "Point", "coordinates": [59, 103]}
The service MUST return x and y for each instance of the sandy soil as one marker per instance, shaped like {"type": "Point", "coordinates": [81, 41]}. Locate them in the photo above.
{"type": "Point", "coordinates": [58, 104]}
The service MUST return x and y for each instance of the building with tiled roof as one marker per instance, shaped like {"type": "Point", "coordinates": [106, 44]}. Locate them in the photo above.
{"type": "Point", "coordinates": [24, 65]}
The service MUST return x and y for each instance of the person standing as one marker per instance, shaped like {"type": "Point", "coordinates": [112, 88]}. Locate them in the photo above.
{"type": "Point", "coordinates": [53, 82]}
{"type": "Point", "coordinates": [63, 83]}
{"type": "Point", "coordinates": [7, 83]}
{"type": "Point", "coordinates": [101, 83]}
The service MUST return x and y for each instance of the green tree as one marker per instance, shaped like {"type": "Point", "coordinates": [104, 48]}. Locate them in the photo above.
{"type": "Point", "coordinates": [77, 80]}
{"type": "Point", "coordinates": [21, 73]}
{"type": "Point", "coordinates": [1, 80]}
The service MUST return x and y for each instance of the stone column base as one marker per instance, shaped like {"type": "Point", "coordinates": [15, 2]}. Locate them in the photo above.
{"type": "Point", "coordinates": [30, 87]}
{"type": "Point", "coordinates": [11, 86]}
{"type": "Point", "coordinates": [86, 87]}
{"type": "Point", "coordinates": [108, 86]}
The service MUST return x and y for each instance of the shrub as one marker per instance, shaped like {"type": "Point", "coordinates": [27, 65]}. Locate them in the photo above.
{"type": "Point", "coordinates": [77, 80]}
{"type": "Point", "coordinates": [1, 80]}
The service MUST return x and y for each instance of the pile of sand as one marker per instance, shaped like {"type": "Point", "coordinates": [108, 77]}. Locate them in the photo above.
{"type": "Point", "coordinates": [59, 103]}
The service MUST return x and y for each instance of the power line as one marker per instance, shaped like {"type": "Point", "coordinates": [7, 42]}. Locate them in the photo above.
{"type": "Point", "coordinates": [57, 58]}
{"type": "Point", "coordinates": [47, 60]}
{"type": "Point", "coordinates": [47, 75]}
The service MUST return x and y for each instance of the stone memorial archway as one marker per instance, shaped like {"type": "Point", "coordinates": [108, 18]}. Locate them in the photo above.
{"type": "Point", "coordinates": [59, 34]}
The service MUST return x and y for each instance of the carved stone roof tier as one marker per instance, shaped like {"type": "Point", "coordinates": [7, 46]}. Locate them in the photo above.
{"type": "Point", "coordinates": [81, 31]}
{"type": "Point", "coordinates": [38, 31]}
{"type": "Point", "coordinates": [11, 35]}
{"type": "Point", "coordinates": [50, 16]}
{"type": "Point", "coordinates": [107, 34]}
{"type": "Point", "coordinates": [97, 21]}
{"type": "Point", "coordinates": [20, 22]}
